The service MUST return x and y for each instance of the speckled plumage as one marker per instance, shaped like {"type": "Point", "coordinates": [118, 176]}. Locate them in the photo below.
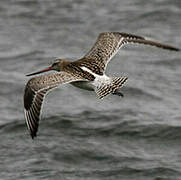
{"type": "Point", "coordinates": [35, 91]}
{"type": "Point", "coordinates": [87, 73]}
{"type": "Point", "coordinates": [105, 89]}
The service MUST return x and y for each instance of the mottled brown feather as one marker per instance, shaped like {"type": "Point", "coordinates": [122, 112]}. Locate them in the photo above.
{"type": "Point", "coordinates": [35, 91]}
{"type": "Point", "coordinates": [108, 44]}
{"type": "Point", "coordinates": [96, 60]}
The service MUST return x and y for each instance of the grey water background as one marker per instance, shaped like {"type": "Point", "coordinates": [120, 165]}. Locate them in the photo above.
{"type": "Point", "coordinates": [81, 137]}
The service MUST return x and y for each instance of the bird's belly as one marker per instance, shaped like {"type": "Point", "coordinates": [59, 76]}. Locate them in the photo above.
{"type": "Point", "coordinates": [86, 85]}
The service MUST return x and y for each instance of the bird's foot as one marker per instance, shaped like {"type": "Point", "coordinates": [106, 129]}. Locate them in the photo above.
{"type": "Point", "coordinates": [118, 93]}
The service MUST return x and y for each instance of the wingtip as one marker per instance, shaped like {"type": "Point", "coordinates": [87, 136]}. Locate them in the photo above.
{"type": "Point", "coordinates": [33, 135]}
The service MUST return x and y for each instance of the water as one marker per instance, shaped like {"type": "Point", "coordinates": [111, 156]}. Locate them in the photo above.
{"type": "Point", "coordinates": [82, 137]}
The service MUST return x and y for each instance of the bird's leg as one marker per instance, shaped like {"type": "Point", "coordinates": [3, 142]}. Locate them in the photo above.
{"type": "Point", "coordinates": [118, 93]}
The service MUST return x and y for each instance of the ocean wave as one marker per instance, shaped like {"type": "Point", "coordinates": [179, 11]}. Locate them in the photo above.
{"type": "Point", "coordinates": [12, 127]}
{"type": "Point", "coordinates": [101, 123]}
{"type": "Point", "coordinates": [157, 173]}
{"type": "Point", "coordinates": [20, 55]}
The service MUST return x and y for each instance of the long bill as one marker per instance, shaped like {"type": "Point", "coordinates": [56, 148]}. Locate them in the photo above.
{"type": "Point", "coordinates": [39, 72]}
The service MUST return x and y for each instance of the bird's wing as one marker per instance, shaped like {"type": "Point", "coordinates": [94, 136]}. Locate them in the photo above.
{"type": "Point", "coordinates": [35, 91]}
{"type": "Point", "coordinates": [108, 44]}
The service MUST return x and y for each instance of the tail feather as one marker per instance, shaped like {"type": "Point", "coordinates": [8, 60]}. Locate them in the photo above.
{"type": "Point", "coordinates": [106, 89]}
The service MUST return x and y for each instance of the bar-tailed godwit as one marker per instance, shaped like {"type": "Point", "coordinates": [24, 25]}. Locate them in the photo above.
{"type": "Point", "coordinates": [87, 73]}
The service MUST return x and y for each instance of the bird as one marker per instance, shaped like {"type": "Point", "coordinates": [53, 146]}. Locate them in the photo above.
{"type": "Point", "coordinates": [87, 73]}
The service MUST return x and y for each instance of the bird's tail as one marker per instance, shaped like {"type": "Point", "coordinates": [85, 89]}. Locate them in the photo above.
{"type": "Point", "coordinates": [110, 88]}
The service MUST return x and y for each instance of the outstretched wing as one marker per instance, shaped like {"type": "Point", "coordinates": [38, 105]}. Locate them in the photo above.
{"type": "Point", "coordinates": [108, 44]}
{"type": "Point", "coordinates": [35, 91]}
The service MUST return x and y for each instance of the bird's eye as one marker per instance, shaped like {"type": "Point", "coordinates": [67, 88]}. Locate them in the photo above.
{"type": "Point", "coordinates": [54, 64]}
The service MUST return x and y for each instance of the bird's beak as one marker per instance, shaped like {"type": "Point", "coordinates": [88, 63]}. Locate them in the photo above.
{"type": "Point", "coordinates": [38, 72]}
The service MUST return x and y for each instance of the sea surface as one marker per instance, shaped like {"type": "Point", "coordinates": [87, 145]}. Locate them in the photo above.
{"type": "Point", "coordinates": [80, 137]}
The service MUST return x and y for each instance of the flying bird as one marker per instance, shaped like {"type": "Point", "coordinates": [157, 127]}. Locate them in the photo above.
{"type": "Point", "coordinates": [86, 73]}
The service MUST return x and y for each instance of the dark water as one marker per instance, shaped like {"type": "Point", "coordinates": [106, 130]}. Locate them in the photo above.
{"type": "Point", "coordinates": [80, 137]}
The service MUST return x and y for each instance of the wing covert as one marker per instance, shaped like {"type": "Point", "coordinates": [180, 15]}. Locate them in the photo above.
{"type": "Point", "coordinates": [35, 91]}
{"type": "Point", "coordinates": [108, 44]}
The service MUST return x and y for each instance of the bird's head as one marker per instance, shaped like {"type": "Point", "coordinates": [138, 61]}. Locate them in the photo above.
{"type": "Point", "coordinates": [57, 65]}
